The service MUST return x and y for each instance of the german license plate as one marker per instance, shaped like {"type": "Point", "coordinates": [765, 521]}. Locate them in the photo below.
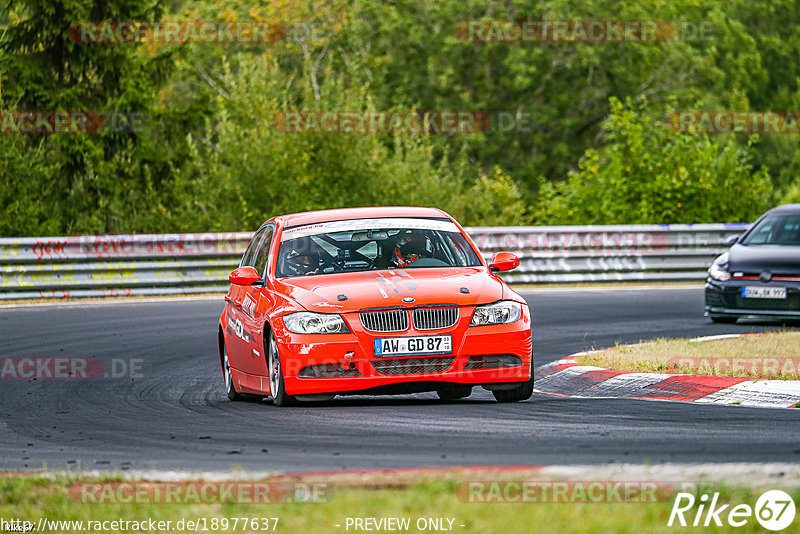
{"type": "Point", "coordinates": [394, 346]}
{"type": "Point", "coordinates": [755, 292]}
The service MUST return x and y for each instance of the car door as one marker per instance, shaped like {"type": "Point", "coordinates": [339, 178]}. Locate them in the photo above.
{"type": "Point", "coordinates": [254, 305]}
{"type": "Point", "coordinates": [238, 339]}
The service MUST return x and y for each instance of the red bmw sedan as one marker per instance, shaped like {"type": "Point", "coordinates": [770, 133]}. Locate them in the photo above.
{"type": "Point", "coordinates": [372, 301]}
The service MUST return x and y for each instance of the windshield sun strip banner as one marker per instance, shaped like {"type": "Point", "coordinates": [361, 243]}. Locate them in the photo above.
{"type": "Point", "coordinates": [367, 224]}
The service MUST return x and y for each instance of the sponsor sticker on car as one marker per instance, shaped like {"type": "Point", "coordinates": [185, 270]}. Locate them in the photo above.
{"type": "Point", "coordinates": [368, 224]}
{"type": "Point", "coordinates": [401, 346]}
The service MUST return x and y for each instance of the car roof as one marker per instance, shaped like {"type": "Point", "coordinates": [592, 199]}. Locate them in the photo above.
{"type": "Point", "coordinates": [785, 209]}
{"type": "Point", "coordinates": [310, 217]}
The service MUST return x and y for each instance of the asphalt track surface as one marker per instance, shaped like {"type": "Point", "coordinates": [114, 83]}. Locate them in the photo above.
{"type": "Point", "coordinates": [175, 416]}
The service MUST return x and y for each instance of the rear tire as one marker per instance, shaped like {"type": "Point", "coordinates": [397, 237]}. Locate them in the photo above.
{"type": "Point", "coordinates": [277, 387]}
{"type": "Point", "coordinates": [520, 393]}
{"type": "Point", "coordinates": [226, 373]}
{"type": "Point", "coordinates": [454, 391]}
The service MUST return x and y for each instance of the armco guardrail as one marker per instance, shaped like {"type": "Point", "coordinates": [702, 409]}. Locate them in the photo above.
{"type": "Point", "coordinates": [572, 254]}
{"type": "Point", "coordinates": [164, 264]}
{"type": "Point", "coordinates": [118, 265]}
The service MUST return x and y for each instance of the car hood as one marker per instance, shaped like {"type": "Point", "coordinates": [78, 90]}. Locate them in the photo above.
{"type": "Point", "coordinates": [759, 258]}
{"type": "Point", "coordinates": [377, 289]}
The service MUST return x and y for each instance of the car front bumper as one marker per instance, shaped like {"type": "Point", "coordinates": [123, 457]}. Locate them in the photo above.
{"type": "Point", "coordinates": [724, 299]}
{"type": "Point", "coordinates": [351, 365]}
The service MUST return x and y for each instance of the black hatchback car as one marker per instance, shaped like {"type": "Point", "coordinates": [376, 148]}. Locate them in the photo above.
{"type": "Point", "coordinates": [760, 275]}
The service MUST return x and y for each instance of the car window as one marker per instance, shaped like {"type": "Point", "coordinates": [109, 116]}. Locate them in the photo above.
{"type": "Point", "coordinates": [372, 244]}
{"type": "Point", "coordinates": [249, 256]}
{"type": "Point", "coordinates": [776, 230]}
{"type": "Point", "coordinates": [261, 254]}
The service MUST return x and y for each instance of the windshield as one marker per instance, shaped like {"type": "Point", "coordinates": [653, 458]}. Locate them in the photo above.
{"type": "Point", "coordinates": [371, 244]}
{"type": "Point", "coordinates": [775, 230]}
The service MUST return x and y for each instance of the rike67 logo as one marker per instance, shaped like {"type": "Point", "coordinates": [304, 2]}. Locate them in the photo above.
{"type": "Point", "coordinates": [774, 510]}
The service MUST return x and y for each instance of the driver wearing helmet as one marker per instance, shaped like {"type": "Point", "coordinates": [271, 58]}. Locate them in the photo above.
{"type": "Point", "coordinates": [410, 248]}
{"type": "Point", "coordinates": [303, 260]}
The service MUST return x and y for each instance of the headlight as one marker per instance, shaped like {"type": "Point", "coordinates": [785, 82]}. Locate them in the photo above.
{"type": "Point", "coordinates": [717, 271]}
{"type": "Point", "coordinates": [315, 323]}
{"type": "Point", "coordinates": [505, 311]}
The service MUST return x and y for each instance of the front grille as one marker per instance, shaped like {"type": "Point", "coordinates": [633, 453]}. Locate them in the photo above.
{"type": "Point", "coordinates": [714, 298]}
{"type": "Point", "coordinates": [385, 320]}
{"type": "Point", "coordinates": [731, 297]}
{"type": "Point", "coordinates": [491, 361]}
{"type": "Point", "coordinates": [790, 303]}
{"type": "Point", "coordinates": [434, 318]}
{"type": "Point", "coordinates": [327, 370]}
{"type": "Point", "coordinates": [413, 366]}
{"type": "Point", "coordinates": [778, 277]}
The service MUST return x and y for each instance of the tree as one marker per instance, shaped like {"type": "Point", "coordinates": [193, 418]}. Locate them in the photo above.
{"type": "Point", "coordinates": [80, 182]}
{"type": "Point", "coordinates": [646, 173]}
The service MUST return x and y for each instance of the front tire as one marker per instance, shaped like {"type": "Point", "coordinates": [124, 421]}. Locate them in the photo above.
{"type": "Point", "coordinates": [277, 387]}
{"type": "Point", "coordinates": [520, 393]}
{"type": "Point", "coordinates": [228, 376]}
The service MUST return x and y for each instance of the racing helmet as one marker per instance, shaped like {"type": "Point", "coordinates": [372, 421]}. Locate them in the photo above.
{"type": "Point", "coordinates": [410, 248]}
{"type": "Point", "coordinates": [302, 259]}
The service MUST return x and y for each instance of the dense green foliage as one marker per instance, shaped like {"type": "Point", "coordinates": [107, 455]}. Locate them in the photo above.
{"type": "Point", "coordinates": [647, 174]}
{"type": "Point", "coordinates": [590, 142]}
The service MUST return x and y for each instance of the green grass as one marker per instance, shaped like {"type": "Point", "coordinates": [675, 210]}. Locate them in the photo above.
{"type": "Point", "coordinates": [32, 497]}
{"type": "Point", "coordinates": [770, 356]}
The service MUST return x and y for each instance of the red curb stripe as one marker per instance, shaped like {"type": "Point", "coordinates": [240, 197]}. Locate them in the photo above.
{"type": "Point", "coordinates": [560, 367]}
{"type": "Point", "coordinates": [588, 379]}
{"type": "Point", "coordinates": [689, 387]}
{"type": "Point", "coordinates": [419, 471]}
{"type": "Point", "coordinates": [684, 388]}
{"type": "Point", "coordinates": [408, 471]}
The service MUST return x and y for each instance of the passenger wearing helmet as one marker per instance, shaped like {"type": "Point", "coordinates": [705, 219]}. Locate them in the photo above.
{"type": "Point", "coordinates": [410, 248]}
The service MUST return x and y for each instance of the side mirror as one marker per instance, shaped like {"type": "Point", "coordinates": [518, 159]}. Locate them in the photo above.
{"type": "Point", "coordinates": [731, 240]}
{"type": "Point", "coordinates": [503, 261]}
{"type": "Point", "coordinates": [244, 276]}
